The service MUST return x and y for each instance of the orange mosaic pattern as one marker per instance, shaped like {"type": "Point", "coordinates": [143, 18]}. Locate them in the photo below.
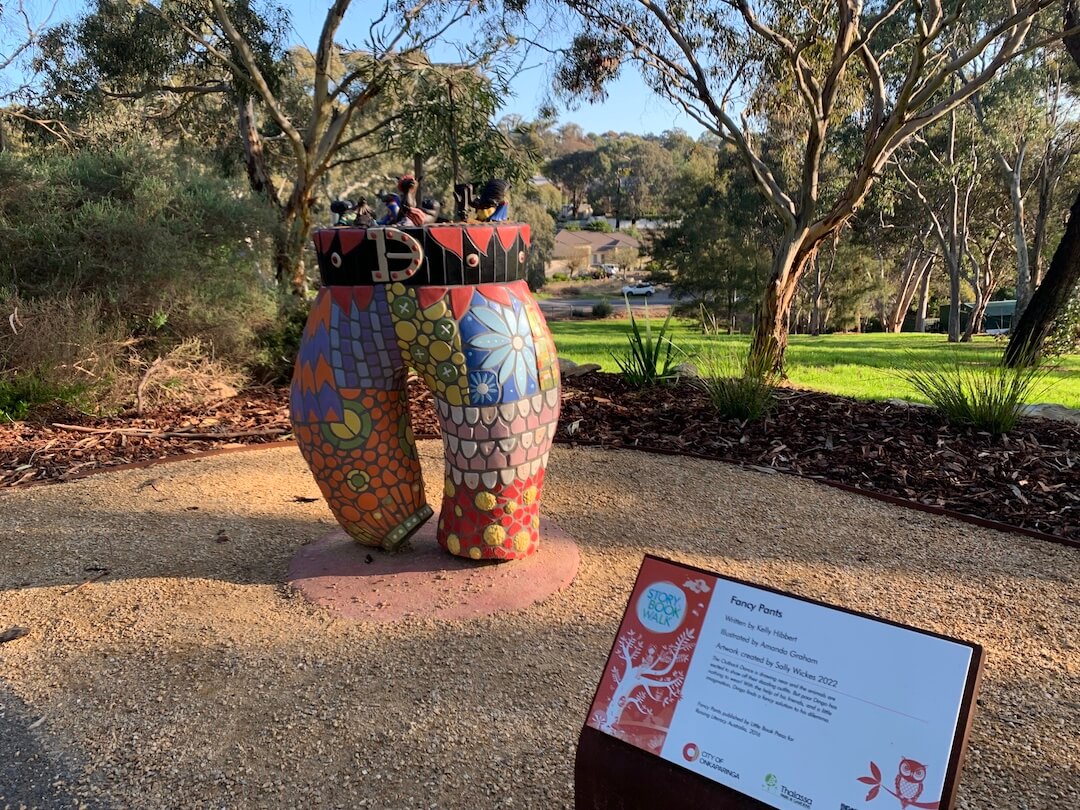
{"type": "Point", "coordinates": [366, 468]}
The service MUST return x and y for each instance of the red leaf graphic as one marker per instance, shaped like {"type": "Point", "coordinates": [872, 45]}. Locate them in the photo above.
{"type": "Point", "coordinates": [873, 793]}
{"type": "Point", "coordinates": [875, 770]}
{"type": "Point", "coordinates": [869, 780]}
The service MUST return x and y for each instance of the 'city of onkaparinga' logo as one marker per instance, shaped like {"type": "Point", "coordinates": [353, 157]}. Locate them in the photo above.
{"type": "Point", "coordinates": [691, 752]}
{"type": "Point", "coordinates": [662, 607]}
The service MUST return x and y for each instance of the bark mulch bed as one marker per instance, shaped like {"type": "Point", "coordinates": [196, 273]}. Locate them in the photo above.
{"type": "Point", "coordinates": [1029, 479]}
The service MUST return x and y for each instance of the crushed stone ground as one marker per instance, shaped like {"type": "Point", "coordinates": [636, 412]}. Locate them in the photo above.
{"type": "Point", "coordinates": [189, 677]}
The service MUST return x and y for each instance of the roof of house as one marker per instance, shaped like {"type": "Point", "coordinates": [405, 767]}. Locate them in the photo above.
{"type": "Point", "coordinates": [595, 241]}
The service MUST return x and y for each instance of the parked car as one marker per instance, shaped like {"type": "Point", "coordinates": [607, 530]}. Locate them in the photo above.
{"type": "Point", "coordinates": [610, 270]}
{"type": "Point", "coordinates": [641, 288]}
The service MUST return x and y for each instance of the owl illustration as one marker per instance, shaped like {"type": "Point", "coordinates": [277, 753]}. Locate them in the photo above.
{"type": "Point", "coordinates": [909, 782]}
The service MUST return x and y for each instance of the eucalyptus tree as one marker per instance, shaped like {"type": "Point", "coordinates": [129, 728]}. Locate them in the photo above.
{"type": "Point", "coordinates": [889, 65]}
{"type": "Point", "coordinates": [299, 115]}
{"type": "Point", "coordinates": [1028, 118]}
{"type": "Point", "coordinates": [1054, 295]}
{"type": "Point", "coordinates": [20, 31]}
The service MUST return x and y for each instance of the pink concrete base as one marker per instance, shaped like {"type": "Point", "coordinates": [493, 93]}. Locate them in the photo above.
{"type": "Point", "coordinates": [421, 580]}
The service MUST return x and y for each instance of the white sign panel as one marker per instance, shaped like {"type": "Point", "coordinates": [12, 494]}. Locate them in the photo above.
{"type": "Point", "coordinates": [789, 701]}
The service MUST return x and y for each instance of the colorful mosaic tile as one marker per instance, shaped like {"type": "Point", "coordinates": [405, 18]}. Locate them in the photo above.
{"type": "Point", "coordinates": [485, 352]}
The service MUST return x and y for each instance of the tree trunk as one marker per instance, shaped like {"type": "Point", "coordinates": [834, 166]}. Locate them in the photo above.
{"type": "Point", "coordinates": [976, 314]}
{"type": "Point", "coordinates": [924, 298]}
{"type": "Point", "coordinates": [293, 235]}
{"type": "Point", "coordinates": [815, 300]}
{"type": "Point", "coordinates": [892, 319]}
{"type": "Point", "coordinates": [1042, 216]}
{"type": "Point", "coordinates": [418, 175]}
{"type": "Point", "coordinates": [954, 298]}
{"type": "Point", "coordinates": [254, 157]}
{"type": "Point", "coordinates": [1049, 298]}
{"type": "Point", "coordinates": [774, 311]}
{"type": "Point", "coordinates": [1023, 270]}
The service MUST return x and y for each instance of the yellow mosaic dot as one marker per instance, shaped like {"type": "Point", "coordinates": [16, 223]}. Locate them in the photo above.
{"type": "Point", "coordinates": [485, 501]}
{"type": "Point", "coordinates": [423, 340]}
{"type": "Point", "coordinates": [453, 542]}
{"type": "Point", "coordinates": [494, 535]}
{"type": "Point", "coordinates": [436, 310]}
{"type": "Point", "coordinates": [397, 288]}
{"type": "Point", "coordinates": [522, 540]}
{"type": "Point", "coordinates": [439, 350]}
{"type": "Point", "coordinates": [457, 358]}
{"type": "Point", "coordinates": [457, 511]}
{"type": "Point", "coordinates": [427, 327]}
{"type": "Point", "coordinates": [511, 507]}
{"type": "Point", "coordinates": [377, 514]}
{"type": "Point", "coordinates": [530, 495]}
{"type": "Point", "coordinates": [449, 488]}
{"type": "Point", "coordinates": [536, 522]}
{"type": "Point", "coordinates": [453, 396]}
{"type": "Point", "coordinates": [405, 330]}
{"type": "Point", "coordinates": [474, 552]}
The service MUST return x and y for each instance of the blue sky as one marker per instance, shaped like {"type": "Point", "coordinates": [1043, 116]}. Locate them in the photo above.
{"type": "Point", "coordinates": [630, 106]}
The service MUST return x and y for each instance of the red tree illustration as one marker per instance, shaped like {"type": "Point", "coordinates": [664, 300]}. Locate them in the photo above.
{"type": "Point", "coordinates": [644, 679]}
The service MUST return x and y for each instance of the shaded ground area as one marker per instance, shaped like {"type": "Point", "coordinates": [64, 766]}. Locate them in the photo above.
{"type": "Point", "coordinates": [30, 776]}
{"type": "Point", "coordinates": [187, 676]}
{"type": "Point", "coordinates": [1030, 479]}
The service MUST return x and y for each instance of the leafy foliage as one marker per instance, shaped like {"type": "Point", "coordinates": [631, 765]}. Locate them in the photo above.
{"type": "Point", "coordinates": [1065, 337]}
{"type": "Point", "coordinates": [118, 255]}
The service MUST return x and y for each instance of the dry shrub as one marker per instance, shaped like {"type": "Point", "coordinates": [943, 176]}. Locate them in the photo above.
{"type": "Point", "coordinates": [188, 375]}
{"type": "Point", "coordinates": [63, 341]}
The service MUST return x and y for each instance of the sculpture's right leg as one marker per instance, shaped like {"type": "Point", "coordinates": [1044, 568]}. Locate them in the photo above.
{"type": "Point", "coordinates": [350, 415]}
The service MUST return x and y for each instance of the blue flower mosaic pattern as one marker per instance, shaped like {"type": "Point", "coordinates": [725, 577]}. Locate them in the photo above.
{"type": "Point", "coordinates": [498, 340]}
{"type": "Point", "coordinates": [483, 388]}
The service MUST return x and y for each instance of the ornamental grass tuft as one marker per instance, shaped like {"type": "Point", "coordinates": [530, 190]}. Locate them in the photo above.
{"type": "Point", "coordinates": [740, 386]}
{"type": "Point", "coordinates": [987, 398]}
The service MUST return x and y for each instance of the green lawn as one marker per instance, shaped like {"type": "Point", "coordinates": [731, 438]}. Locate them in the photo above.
{"type": "Point", "coordinates": [864, 366]}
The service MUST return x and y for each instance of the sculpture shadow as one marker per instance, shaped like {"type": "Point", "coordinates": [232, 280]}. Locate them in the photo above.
{"type": "Point", "coordinates": [30, 774]}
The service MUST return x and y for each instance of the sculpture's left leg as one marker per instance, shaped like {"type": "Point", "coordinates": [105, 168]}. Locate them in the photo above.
{"type": "Point", "coordinates": [488, 357]}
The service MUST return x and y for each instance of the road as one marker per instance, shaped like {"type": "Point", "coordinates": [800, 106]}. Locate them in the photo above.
{"type": "Point", "coordinates": [566, 307]}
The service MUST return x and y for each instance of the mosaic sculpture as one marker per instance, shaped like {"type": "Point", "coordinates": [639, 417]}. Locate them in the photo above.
{"type": "Point", "coordinates": [449, 301]}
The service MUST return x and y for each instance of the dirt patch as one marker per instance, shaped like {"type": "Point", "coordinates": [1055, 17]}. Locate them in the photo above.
{"type": "Point", "coordinates": [187, 676]}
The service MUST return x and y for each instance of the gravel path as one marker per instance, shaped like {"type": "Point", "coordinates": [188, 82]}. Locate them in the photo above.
{"type": "Point", "coordinates": [188, 677]}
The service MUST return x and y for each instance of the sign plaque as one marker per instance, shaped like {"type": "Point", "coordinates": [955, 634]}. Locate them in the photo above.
{"type": "Point", "coordinates": [723, 692]}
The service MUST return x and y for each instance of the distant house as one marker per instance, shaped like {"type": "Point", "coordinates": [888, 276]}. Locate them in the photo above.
{"type": "Point", "coordinates": [996, 321]}
{"type": "Point", "coordinates": [572, 244]}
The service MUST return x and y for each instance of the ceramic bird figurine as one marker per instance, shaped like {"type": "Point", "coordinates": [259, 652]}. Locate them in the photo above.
{"type": "Point", "coordinates": [431, 209]}
{"type": "Point", "coordinates": [411, 213]}
{"type": "Point", "coordinates": [393, 209]}
{"type": "Point", "coordinates": [491, 204]}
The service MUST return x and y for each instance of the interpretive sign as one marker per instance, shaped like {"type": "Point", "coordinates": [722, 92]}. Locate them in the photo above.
{"type": "Point", "coordinates": [786, 701]}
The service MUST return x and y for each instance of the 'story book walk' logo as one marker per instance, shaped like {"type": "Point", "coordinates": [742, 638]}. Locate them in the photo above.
{"type": "Point", "coordinates": [662, 607]}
